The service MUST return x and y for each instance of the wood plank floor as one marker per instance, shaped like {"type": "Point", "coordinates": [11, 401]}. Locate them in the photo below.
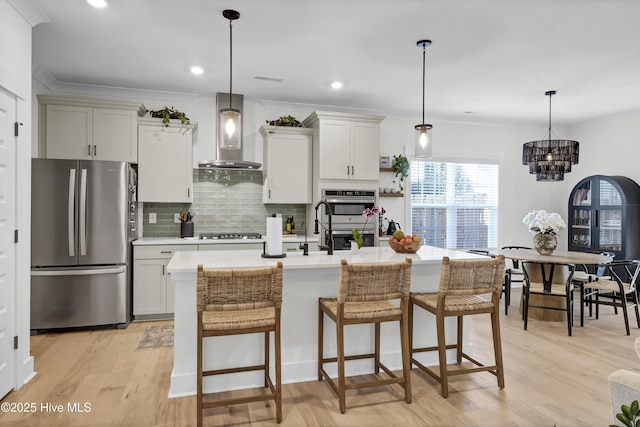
{"type": "Point", "coordinates": [551, 379]}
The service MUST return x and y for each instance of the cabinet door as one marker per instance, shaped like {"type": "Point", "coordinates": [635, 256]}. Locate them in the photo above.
{"type": "Point", "coordinates": [335, 149]}
{"type": "Point", "coordinates": [582, 223]}
{"type": "Point", "coordinates": [164, 164]}
{"type": "Point", "coordinates": [114, 135]}
{"type": "Point", "coordinates": [68, 132]}
{"type": "Point", "coordinates": [149, 286]}
{"type": "Point", "coordinates": [287, 169]}
{"type": "Point", "coordinates": [609, 218]}
{"type": "Point", "coordinates": [365, 145]}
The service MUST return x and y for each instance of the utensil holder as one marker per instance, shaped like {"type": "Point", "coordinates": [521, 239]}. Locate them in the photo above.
{"type": "Point", "coordinates": [186, 229]}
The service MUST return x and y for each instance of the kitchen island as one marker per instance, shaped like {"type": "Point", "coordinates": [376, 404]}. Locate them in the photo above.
{"type": "Point", "coordinates": [305, 279]}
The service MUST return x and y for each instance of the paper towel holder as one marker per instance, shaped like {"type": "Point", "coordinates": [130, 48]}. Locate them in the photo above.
{"type": "Point", "coordinates": [266, 255]}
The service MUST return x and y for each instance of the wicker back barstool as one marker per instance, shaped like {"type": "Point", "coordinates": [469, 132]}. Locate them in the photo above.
{"type": "Point", "coordinates": [365, 292]}
{"type": "Point", "coordinates": [243, 301]}
{"type": "Point", "coordinates": [461, 283]}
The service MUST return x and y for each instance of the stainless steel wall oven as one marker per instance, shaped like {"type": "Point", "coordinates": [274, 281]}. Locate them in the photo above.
{"type": "Point", "coordinates": [346, 208]}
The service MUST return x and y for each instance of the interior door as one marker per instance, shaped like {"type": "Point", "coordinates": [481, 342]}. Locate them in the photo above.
{"type": "Point", "coordinates": [103, 212]}
{"type": "Point", "coordinates": [7, 245]}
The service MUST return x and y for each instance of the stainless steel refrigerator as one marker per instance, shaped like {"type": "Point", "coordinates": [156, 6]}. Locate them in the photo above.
{"type": "Point", "coordinates": [83, 220]}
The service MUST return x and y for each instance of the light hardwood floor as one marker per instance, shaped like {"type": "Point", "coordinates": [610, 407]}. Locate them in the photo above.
{"type": "Point", "coordinates": [550, 379]}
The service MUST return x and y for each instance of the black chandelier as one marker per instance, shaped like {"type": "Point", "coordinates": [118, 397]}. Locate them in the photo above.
{"type": "Point", "coordinates": [549, 159]}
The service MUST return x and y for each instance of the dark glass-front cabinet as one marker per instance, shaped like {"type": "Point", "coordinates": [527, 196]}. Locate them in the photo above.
{"type": "Point", "coordinates": [604, 216]}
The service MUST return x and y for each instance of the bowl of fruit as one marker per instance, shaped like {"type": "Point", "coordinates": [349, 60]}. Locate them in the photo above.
{"type": "Point", "coordinates": [404, 243]}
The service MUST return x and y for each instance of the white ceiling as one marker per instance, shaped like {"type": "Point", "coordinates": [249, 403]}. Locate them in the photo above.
{"type": "Point", "coordinates": [490, 59]}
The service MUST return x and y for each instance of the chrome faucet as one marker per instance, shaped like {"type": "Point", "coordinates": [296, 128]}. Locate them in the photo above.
{"type": "Point", "coordinates": [328, 247]}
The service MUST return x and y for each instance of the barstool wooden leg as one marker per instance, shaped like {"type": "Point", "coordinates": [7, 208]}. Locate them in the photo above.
{"type": "Point", "coordinates": [278, 371]}
{"type": "Point", "coordinates": [266, 359]}
{"type": "Point", "coordinates": [376, 359]}
{"type": "Point", "coordinates": [497, 346]}
{"type": "Point", "coordinates": [406, 353]}
{"type": "Point", "coordinates": [320, 338]}
{"type": "Point", "coordinates": [199, 373]}
{"type": "Point", "coordinates": [459, 342]}
{"type": "Point", "coordinates": [442, 356]}
{"type": "Point", "coordinates": [341, 380]}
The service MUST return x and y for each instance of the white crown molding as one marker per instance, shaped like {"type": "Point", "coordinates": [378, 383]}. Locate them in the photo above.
{"type": "Point", "coordinates": [29, 11]}
{"type": "Point", "coordinates": [50, 82]}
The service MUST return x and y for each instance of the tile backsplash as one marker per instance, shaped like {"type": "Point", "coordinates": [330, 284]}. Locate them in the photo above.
{"type": "Point", "coordinates": [224, 200]}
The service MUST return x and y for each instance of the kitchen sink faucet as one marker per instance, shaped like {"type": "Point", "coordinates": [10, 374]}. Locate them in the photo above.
{"type": "Point", "coordinates": [328, 247]}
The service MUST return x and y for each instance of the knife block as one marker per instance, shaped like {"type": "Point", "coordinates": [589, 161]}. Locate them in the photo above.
{"type": "Point", "coordinates": [186, 229]}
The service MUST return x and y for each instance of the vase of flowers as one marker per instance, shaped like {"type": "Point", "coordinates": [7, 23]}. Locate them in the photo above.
{"type": "Point", "coordinates": [545, 227]}
{"type": "Point", "coordinates": [367, 213]}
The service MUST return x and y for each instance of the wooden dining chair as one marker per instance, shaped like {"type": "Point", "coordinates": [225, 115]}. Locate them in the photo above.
{"type": "Point", "coordinates": [242, 301]}
{"type": "Point", "coordinates": [459, 294]}
{"type": "Point", "coordinates": [551, 280]}
{"type": "Point", "coordinates": [365, 294]}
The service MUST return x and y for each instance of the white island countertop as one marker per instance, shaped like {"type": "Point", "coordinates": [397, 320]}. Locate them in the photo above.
{"type": "Point", "coordinates": [187, 261]}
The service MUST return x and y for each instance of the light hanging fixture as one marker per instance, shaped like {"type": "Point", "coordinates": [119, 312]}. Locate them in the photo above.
{"type": "Point", "coordinates": [549, 159]}
{"type": "Point", "coordinates": [423, 131]}
{"type": "Point", "coordinates": [229, 119]}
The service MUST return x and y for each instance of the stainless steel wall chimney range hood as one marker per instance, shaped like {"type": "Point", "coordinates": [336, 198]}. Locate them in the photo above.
{"type": "Point", "coordinates": [230, 158]}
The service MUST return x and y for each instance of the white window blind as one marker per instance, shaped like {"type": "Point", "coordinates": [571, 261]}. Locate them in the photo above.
{"type": "Point", "coordinates": [455, 205]}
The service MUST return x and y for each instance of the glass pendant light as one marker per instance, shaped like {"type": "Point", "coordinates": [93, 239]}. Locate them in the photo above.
{"type": "Point", "coordinates": [423, 131]}
{"type": "Point", "coordinates": [229, 119]}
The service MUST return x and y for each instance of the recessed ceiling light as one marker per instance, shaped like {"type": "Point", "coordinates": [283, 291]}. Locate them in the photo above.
{"type": "Point", "coordinates": [97, 3]}
{"type": "Point", "coordinates": [196, 70]}
{"type": "Point", "coordinates": [336, 85]}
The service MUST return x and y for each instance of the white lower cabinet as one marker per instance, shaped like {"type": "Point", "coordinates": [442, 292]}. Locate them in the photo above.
{"type": "Point", "coordinates": [153, 289]}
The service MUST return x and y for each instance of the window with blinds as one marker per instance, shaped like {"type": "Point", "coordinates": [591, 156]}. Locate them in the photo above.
{"type": "Point", "coordinates": [455, 205]}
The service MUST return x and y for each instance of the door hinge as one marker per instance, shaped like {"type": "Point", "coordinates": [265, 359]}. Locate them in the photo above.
{"type": "Point", "coordinates": [15, 342]}
{"type": "Point", "coordinates": [15, 236]}
{"type": "Point", "coordinates": [15, 127]}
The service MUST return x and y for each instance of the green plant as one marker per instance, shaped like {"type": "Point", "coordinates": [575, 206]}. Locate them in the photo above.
{"type": "Point", "coordinates": [629, 415]}
{"type": "Point", "coordinates": [288, 121]}
{"type": "Point", "coordinates": [401, 167]}
{"type": "Point", "coordinates": [169, 113]}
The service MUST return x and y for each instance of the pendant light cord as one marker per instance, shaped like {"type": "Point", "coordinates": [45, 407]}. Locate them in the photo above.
{"type": "Point", "coordinates": [550, 95]}
{"type": "Point", "coordinates": [230, 61]}
{"type": "Point", "coordinates": [424, 55]}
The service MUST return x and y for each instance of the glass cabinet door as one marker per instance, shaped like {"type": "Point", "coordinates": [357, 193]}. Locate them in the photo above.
{"type": "Point", "coordinates": [581, 216]}
{"type": "Point", "coordinates": [609, 218]}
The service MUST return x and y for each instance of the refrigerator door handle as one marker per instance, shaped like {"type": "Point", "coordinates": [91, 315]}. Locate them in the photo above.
{"type": "Point", "coordinates": [83, 212]}
{"type": "Point", "coordinates": [70, 212]}
{"type": "Point", "coordinates": [88, 272]}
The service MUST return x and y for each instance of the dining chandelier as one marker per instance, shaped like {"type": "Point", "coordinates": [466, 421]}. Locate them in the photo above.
{"type": "Point", "coordinates": [549, 159]}
{"type": "Point", "coordinates": [423, 131]}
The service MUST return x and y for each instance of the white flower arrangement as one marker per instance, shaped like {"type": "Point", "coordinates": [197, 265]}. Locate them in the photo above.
{"type": "Point", "coordinates": [543, 222]}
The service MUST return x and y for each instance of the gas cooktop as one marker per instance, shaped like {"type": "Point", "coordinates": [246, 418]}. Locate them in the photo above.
{"type": "Point", "coordinates": [228, 236]}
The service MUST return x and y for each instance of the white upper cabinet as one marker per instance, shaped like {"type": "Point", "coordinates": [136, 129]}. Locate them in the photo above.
{"type": "Point", "coordinates": [73, 128]}
{"type": "Point", "coordinates": [347, 146]}
{"type": "Point", "coordinates": [165, 165]}
{"type": "Point", "coordinates": [287, 164]}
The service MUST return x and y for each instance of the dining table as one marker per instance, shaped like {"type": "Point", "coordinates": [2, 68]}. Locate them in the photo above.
{"type": "Point", "coordinates": [557, 257]}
